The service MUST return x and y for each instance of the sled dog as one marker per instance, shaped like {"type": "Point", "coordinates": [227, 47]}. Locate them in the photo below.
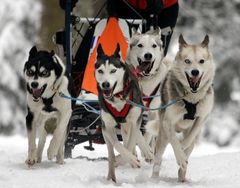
{"type": "Point", "coordinates": [190, 82]}
{"type": "Point", "coordinates": [146, 59]}
{"type": "Point", "coordinates": [47, 112]}
{"type": "Point", "coordinates": [116, 85]}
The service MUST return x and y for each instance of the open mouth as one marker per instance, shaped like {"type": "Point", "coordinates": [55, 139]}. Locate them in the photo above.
{"type": "Point", "coordinates": [194, 82]}
{"type": "Point", "coordinates": [37, 93]}
{"type": "Point", "coordinates": [145, 66]}
{"type": "Point", "coordinates": [108, 93]}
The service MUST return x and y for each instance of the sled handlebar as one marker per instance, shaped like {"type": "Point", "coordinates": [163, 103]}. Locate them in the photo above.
{"type": "Point", "coordinates": [93, 20]}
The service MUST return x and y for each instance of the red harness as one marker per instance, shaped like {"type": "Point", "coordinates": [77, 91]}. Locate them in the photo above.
{"type": "Point", "coordinates": [148, 100]}
{"type": "Point", "coordinates": [120, 116]}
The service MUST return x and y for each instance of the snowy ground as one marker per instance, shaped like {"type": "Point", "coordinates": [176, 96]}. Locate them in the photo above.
{"type": "Point", "coordinates": [208, 167]}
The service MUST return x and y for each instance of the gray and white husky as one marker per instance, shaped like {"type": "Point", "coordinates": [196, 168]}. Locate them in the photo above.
{"type": "Point", "coordinates": [45, 77]}
{"type": "Point", "coordinates": [146, 59]}
{"type": "Point", "coordinates": [190, 80]}
{"type": "Point", "coordinates": [116, 86]}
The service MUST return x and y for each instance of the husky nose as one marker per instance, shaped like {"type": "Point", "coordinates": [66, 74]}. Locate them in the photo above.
{"type": "Point", "coordinates": [105, 85]}
{"type": "Point", "coordinates": [148, 56]}
{"type": "Point", "coordinates": [34, 84]}
{"type": "Point", "coordinates": [195, 72]}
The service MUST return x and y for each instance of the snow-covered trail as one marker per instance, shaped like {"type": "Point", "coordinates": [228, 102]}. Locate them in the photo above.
{"type": "Point", "coordinates": [208, 167]}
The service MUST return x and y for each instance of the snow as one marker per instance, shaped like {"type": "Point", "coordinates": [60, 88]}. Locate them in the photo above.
{"type": "Point", "coordinates": [209, 167]}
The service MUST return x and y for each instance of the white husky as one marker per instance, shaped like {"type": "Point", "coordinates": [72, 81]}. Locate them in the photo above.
{"type": "Point", "coordinates": [145, 56]}
{"type": "Point", "coordinates": [190, 80]}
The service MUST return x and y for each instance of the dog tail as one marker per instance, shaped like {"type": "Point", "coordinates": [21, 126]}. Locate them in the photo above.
{"type": "Point", "coordinates": [152, 127]}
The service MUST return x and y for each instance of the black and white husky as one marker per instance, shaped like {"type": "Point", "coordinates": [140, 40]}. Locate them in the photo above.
{"type": "Point", "coordinates": [45, 78]}
{"type": "Point", "coordinates": [190, 80]}
{"type": "Point", "coordinates": [116, 85]}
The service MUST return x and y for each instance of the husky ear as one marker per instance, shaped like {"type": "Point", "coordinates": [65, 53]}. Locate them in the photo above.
{"type": "Point", "coordinates": [205, 41]}
{"type": "Point", "coordinates": [182, 42]}
{"type": "Point", "coordinates": [157, 31]}
{"type": "Point", "coordinates": [100, 51]}
{"type": "Point", "coordinates": [117, 51]}
{"type": "Point", "coordinates": [134, 31]}
{"type": "Point", "coordinates": [33, 52]}
{"type": "Point", "coordinates": [58, 66]}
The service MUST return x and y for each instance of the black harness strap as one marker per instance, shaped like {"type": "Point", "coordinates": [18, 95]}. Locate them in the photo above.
{"type": "Point", "coordinates": [191, 110]}
{"type": "Point", "coordinates": [48, 104]}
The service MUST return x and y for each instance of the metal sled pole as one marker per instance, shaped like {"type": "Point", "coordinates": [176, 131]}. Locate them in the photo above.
{"type": "Point", "coordinates": [68, 37]}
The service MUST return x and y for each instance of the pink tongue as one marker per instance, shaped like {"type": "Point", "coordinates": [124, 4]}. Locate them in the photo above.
{"type": "Point", "coordinates": [194, 79]}
{"type": "Point", "coordinates": [37, 93]}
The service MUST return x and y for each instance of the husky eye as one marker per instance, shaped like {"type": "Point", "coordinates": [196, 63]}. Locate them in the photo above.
{"type": "Point", "coordinates": [45, 73]}
{"type": "Point", "coordinates": [154, 46]}
{"type": "Point", "coordinates": [100, 71]}
{"type": "Point", "coordinates": [202, 61]}
{"type": "Point", "coordinates": [140, 45]}
{"type": "Point", "coordinates": [30, 73]}
{"type": "Point", "coordinates": [187, 61]}
{"type": "Point", "coordinates": [113, 71]}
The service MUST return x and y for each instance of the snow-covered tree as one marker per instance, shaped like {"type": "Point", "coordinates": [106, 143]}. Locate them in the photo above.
{"type": "Point", "coordinates": [19, 25]}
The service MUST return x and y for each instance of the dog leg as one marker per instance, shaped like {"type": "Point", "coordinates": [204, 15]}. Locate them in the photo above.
{"type": "Point", "coordinates": [181, 157]}
{"type": "Point", "coordinates": [41, 143]}
{"type": "Point", "coordinates": [190, 138]}
{"type": "Point", "coordinates": [144, 146]}
{"type": "Point", "coordinates": [119, 161]}
{"type": "Point", "coordinates": [160, 147]}
{"type": "Point", "coordinates": [32, 150]}
{"type": "Point", "coordinates": [127, 155]}
{"type": "Point", "coordinates": [182, 172]}
{"type": "Point", "coordinates": [60, 155]}
{"type": "Point", "coordinates": [58, 136]}
{"type": "Point", "coordinates": [111, 159]}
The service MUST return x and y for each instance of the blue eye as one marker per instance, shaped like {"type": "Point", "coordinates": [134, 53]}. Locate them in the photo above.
{"type": "Point", "coordinates": [30, 73]}
{"type": "Point", "coordinates": [113, 71]}
{"type": "Point", "coordinates": [100, 71]}
{"type": "Point", "coordinates": [187, 61]}
{"type": "Point", "coordinates": [45, 73]}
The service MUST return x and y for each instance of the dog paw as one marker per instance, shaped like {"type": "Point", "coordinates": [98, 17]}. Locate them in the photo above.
{"type": "Point", "coordinates": [135, 163]}
{"type": "Point", "coordinates": [60, 161]}
{"type": "Point", "coordinates": [51, 153]}
{"type": "Point", "coordinates": [111, 177]}
{"type": "Point", "coordinates": [181, 175]}
{"type": "Point", "coordinates": [39, 159]}
{"type": "Point", "coordinates": [30, 161]}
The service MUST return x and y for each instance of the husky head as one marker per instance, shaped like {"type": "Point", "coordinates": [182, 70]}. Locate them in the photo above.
{"type": "Point", "coordinates": [194, 65]}
{"type": "Point", "coordinates": [145, 52]}
{"type": "Point", "coordinates": [42, 71]}
{"type": "Point", "coordinates": [109, 72]}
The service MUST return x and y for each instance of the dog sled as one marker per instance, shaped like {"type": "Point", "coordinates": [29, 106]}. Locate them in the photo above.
{"type": "Point", "coordinates": [85, 123]}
